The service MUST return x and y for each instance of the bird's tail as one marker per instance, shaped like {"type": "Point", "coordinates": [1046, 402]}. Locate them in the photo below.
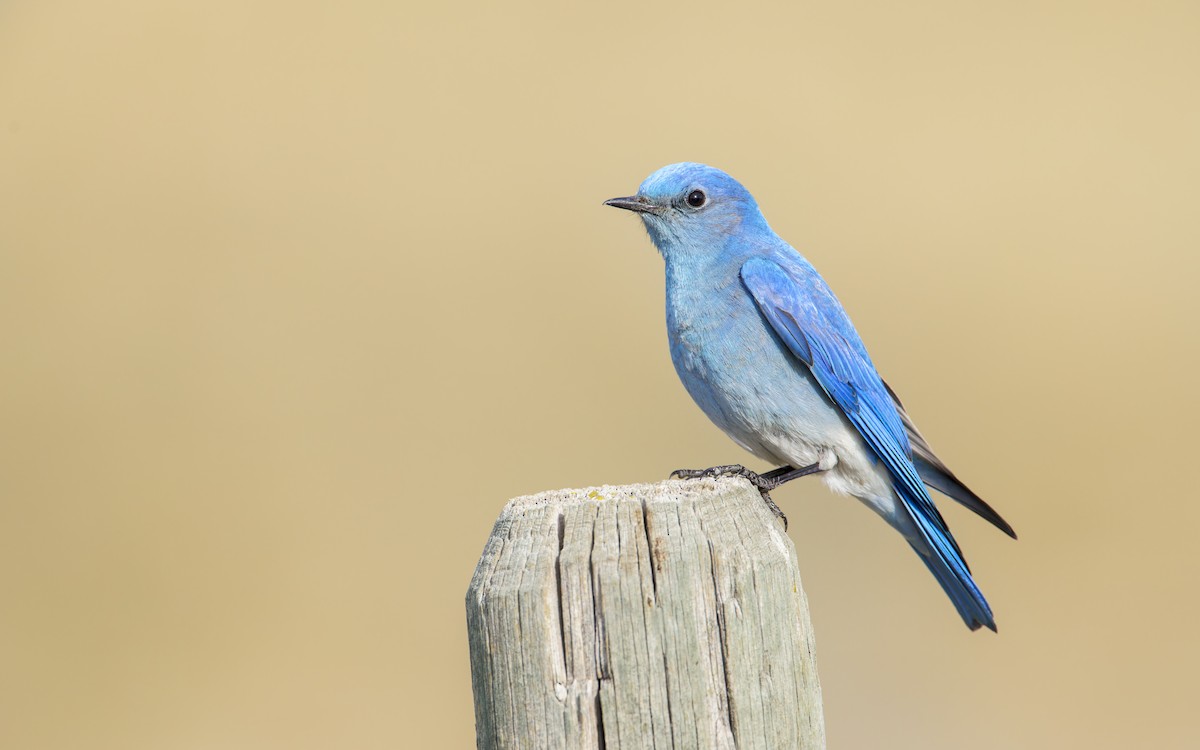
{"type": "Point", "coordinates": [951, 572]}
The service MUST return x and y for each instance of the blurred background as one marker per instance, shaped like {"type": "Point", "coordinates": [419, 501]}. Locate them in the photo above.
{"type": "Point", "coordinates": [293, 297]}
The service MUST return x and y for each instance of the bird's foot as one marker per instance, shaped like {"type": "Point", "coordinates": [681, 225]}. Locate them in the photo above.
{"type": "Point", "coordinates": [730, 470]}
{"type": "Point", "coordinates": [764, 482]}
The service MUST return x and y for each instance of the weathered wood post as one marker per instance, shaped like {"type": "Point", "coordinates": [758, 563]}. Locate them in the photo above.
{"type": "Point", "coordinates": [662, 615]}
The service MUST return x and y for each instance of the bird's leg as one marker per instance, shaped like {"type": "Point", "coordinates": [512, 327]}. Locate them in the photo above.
{"type": "Point", "coordinates": [786, 474]}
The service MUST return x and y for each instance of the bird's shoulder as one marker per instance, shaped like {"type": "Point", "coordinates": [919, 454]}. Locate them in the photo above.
{"type": "Point", "coordinates": [811, 294]}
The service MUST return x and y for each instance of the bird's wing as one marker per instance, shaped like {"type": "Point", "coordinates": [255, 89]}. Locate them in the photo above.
{"type": "Point", "coordinates": [812, 325]}
{"type": "Point", "coordinates": [939, 476]}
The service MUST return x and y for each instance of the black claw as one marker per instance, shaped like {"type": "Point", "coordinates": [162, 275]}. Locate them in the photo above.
{"type": "Point", "coordinates": [773, 507]}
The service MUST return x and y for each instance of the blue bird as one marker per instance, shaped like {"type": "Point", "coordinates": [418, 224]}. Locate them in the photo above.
{"type": "Point", "coordinates": [766, 350]}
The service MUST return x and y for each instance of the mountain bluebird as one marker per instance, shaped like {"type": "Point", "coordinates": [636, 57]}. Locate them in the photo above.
{"type": "Point", "coordinates": [766, 350]}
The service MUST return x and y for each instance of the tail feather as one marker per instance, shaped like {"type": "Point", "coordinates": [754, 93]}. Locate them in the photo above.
{"type": "Point", "coordinates": [937, 474]}
{"type": "Point", "coordinates": [939, 477]}
{"type": "Point", "coordinates": [959, 586]}
{"type": "Point", "coordinates": [936, 547]}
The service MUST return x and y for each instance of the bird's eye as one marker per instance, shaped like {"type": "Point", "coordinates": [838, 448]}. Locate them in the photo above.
{"type": "Point", "coordinates": [696, 198]}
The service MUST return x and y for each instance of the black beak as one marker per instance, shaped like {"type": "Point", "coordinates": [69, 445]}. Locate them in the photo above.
{"type": "Point", "coordinates": [636, 203]}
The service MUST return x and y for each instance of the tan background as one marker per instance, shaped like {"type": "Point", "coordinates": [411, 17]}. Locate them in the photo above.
{"type": "Point", "coordinates": [292, 299]}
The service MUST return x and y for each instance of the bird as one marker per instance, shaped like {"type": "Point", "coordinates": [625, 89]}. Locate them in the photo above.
{"type": "Point", "coordinates": [766, 350]}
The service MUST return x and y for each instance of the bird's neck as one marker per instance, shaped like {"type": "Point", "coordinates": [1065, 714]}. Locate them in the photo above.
{"type": "Point", "coordinates": [698, 289]}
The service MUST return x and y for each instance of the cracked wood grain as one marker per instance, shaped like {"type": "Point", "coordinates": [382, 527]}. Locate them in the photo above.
{"type": "Point", "coordinates": [666, 615]}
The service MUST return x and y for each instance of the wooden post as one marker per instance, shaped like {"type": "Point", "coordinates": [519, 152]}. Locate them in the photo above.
{"type": "Point", "coordinates": [662, 615]}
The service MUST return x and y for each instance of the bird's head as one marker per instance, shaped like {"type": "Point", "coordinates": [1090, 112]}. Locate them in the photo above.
{"type": "Point", "coordinates": [691, 207]}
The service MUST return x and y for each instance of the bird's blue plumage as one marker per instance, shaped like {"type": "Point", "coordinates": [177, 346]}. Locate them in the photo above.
{"type": "Point", "coordinates": [815, 329]}
{"type": "Point", "coordinates": [765, 348]}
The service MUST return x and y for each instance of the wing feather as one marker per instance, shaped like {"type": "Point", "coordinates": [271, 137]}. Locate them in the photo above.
{"type": "Point", "coordinates": [812, 325]}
